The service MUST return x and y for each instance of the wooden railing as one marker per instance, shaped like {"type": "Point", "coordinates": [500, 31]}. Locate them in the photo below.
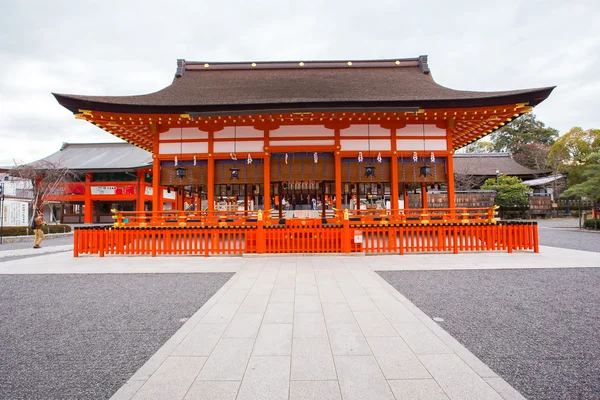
{"type": "Point", "coordinates": [249, 218]}
{"type": "Point", "coordinates": [183, 218]}
{"type": "Point", "coordinates": [306, 236]}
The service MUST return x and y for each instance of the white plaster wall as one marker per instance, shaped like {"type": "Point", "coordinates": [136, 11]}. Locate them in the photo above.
{"type": "Point", "coordinates": [240, 147]}
{"type": "Point", "coordinates": [363, 130]}
{"type": "Point", "coordinates": [187, 148]}
{"type": "Point", "coordinates": [240, 132]}
{"type": "Point", "coordinates": [301, 143]}
{"type": "Point", "coordinates": [185, 133]}
{"type": "Point", "coordinates": [417, 145]}
{"type": "Point", "coordinates": [363, 145]}
{"type": "Point", "coordinates": [301, 131]}
{"type": "Point", "coordinates": [417, 130]}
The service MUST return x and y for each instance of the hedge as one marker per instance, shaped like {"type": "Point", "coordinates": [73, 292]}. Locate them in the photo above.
{"type": "Point", "coordinates": [592, 223]}
{"type": "Point", "coordinates": [25, 230]}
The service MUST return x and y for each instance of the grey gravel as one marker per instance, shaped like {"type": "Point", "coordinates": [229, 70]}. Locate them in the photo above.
{"type": "Point", "coordinates": [83, 336]}
{"type": "Point", "coordinates": [537, 328]}
{"type": "Point", "coordinates": [565, 233]}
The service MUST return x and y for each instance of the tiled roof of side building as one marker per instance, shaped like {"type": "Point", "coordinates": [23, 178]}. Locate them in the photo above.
{"type": "Point", "coordinates": [486, 164]}
{"type": "Point", "coordinates": [99, 157]}
{"type": "Point", "coordinates": [376, 85]}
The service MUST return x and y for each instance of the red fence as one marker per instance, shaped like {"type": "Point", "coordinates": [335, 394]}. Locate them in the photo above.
{"type": "Point", "coordinates": [449, 238]}
{"type": "Point", "coordinates": [306, 236]}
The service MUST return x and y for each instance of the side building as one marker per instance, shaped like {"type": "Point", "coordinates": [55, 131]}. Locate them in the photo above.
{"type": "Point", "coordinates": [103, 176]}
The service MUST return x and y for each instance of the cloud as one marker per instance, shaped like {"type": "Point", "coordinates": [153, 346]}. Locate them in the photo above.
{"type": "Point", "coordinates": [110, 47]}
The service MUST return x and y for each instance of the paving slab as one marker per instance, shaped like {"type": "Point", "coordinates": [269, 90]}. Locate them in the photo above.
{"type": "Point", "coordinates": [172, 380]}
{"type": "Point", "coordinates": [312, 360]}
{"type": "Point", "coordinates": [213, 390]}
{"type": "Point", "coordinates": [227, 361]}
{"type": "Point", "coordinates": [266, 378]}
{"type": "Point", "coordinates": [315, 390]}
{"type": "Point", "coordinates": [417, 389]}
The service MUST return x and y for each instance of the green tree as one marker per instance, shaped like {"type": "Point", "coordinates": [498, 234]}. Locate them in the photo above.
{"type": "Point", "coordinates": [574, 151]}
{"type": "Point", "coordinates": [510, 191]}
{"type": "Point", "coordinates": [527, 139]}
{"type": "Point", "coordinates": [480, 146]}
{"type": "Point", "coordinates": [575, 146]}
{"type": "Point", "coordinates": [589, 187]}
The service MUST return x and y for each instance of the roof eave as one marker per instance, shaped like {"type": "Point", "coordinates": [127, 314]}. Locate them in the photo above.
{"type": "Point", "coordinates": [74, 104]}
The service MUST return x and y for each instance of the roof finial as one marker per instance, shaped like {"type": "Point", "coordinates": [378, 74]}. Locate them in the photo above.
{"type": "Point", "coordinates": [180, 68]}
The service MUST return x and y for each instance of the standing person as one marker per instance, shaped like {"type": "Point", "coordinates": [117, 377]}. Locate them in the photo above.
{"type": "Point", "coordinates": [38, 234]}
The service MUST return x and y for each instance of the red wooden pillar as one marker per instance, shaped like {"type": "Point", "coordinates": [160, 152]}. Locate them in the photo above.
{"type": "Point", "coordinates": [394, 195]}
{"type": "Point", "coordinates": [267, 186]}
{"type": "Point", "coordinates": [156, 190]}
{"type": "Point", "coordinates": [210, 190]}
{"type": "Point", "coordinates": [141, 192]}
{"type": "Point", "coordinates": [260, 235]}
{"type": "Point", "coordinates": [424, 203]}
{"type": "Point", "coordinates": [88, 216]}
{"type": "Point", "coordinates": [450, 166]}
{"type": "Point", "coordinates": [338, 181]}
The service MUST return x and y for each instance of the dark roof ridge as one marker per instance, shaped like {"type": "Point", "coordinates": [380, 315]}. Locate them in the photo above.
{"type": "Point", "coordinates": [493, 154]}
{"type": "Point", "coordinates": [87, 144]}
{"type": "Point", "coordinates": [185, 65]}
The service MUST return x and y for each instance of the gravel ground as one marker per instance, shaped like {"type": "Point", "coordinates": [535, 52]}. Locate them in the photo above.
{"type": "Point", "coordinates": [83, 336]}
{"type": "Point", "coordinates": [537, 328]}
{"type": "Point", "coordinates": [565, 233]}
{"type": "Point", "coordinates": [60, 241]}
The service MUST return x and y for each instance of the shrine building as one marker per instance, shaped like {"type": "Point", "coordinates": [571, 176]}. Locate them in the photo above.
{"type": "Point", "coordinates": [321, 141]}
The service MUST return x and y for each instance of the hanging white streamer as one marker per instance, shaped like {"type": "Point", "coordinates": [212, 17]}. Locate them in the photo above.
{"type": "Point", "coordinates": [432, 157]}
{"type": "Point", "coordinates": [379, 159]}
{"type": "Point", "coordinates": [286, 158]}
{"type": "Point", "coordinates": [233, 156]}
{"type": "Point", "coordinates": [360, 156]}
{"type": "Point", "coordinates": [194, 160]}
{"type": "Point", "coordinates": [316, 157]}
{"type": "Point", "coordinates": [175, 160]}
{"type": "Point", "coordinates": [415, 156]}
{"type": "Point", "coordinates": [249, 159]}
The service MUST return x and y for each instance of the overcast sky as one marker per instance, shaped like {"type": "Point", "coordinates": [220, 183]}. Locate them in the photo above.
{"type": "Point", "coordinates": [124, 47]}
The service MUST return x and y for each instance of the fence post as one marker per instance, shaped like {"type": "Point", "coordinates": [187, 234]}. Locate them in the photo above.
{"type": "Point", "coordinates": [455, 232]}
{"type": "Point", "coordinates": [101, 243]}
{"type": "Point", "coordinates": [510, 233]}
{"type": "Point", "coordinates": [401, 234]}
{"type": "Point", "coordinates": [346, 233]}
{"type": "Point", "coordinates": [75, 242]}
{"type": "Point", "coordinates": [260, 234]}
{"type": "Point", "coordinates": [536, 242]}
{"type": "Point", "coordinates": [153, 242]}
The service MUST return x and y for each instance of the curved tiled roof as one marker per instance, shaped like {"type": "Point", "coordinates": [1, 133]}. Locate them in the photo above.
{"type": "Point", "coordinates": [99, 156]}
{"type": "Point", "coordinates": [301, 86]}
{"type": "Point", "coordinates": [486, 164]}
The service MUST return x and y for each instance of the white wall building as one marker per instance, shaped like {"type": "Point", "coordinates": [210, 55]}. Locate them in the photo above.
{"type": "Point", "coordinates": [17, 199]}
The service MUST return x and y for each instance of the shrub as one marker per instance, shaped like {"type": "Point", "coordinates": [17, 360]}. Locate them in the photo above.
{"type": "Point", "coordinates": [25, 230]}
{"type": "Point", "coordinates": [592, 223]}
{"type": "Point", "coordinates": [510, 192]}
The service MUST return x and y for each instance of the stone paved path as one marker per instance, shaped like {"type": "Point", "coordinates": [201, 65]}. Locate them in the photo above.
{"type": "Point", "coordinates": [312, 328]}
